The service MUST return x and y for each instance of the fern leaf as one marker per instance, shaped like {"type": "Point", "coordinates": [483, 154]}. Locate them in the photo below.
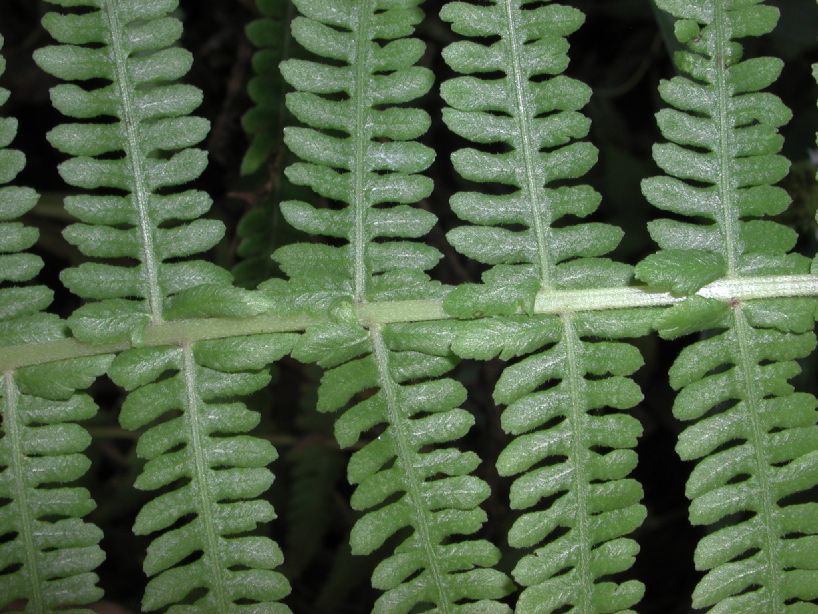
{"type": "Point", "coordinates": [754, 439]}
{"type": "Point", "coordinates": [21, 306]}
{"type": "Point", "coordinates": [403, 479]}
{"type": "Point", "coordinates": [414, 494]}
{"type": "Point", "coordinates": [133, 161]}
{"type": "Point", "coordinates": [51, 552]}
{"type": "Point", "coordinates": [373, 171]}
{"type": "Point", "coordinates": [211, 471]}
{"type": "Point", "coordinates": [540, 123]}
{"type": "Point", "coordinates": [262, 229]}
{"type": "Point", "coordinates": [572, 451]}
{"type": "Point", "coordinates": [48, 554]}
{"type": "Point", "coordinates": [214, 472]}
{"type": "Point", "coordinates": [271, 36]}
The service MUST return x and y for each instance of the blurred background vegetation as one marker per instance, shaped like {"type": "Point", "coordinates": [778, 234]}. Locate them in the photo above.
{"type": "Point", "coordinates": [622, 53]}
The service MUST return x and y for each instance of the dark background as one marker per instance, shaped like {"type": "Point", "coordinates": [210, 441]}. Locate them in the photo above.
{"type": "Point", "coordinates": [622, 52]}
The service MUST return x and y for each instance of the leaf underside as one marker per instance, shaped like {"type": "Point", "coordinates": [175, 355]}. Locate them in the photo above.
{"type": "Point", "coordinates": [355, 184]}
{"type": "Point", "coordinates": [361, 159]}
{"type": "Point", "coordinates": [48, 553]}
{"type": "Point", "coordinates": [572, 447]}
{"type": "Point", "coordinates": [754, 439]}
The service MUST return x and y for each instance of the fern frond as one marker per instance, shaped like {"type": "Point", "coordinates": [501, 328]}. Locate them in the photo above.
{"type": "Point", "coordinates": [212, 473]}
{"type": "Point", "coordinates": [404, 480]}
{"type": "Point", "coordinates": [48, 554]}
{"type": "Point", "coordinates": [50, 551]}
{"type": "Point", "coordinates": [262, 229]}
{"type": "Point", "coordinates": [721, 157]}
{"type": "Point", "coordinates": [538, 122]}
{"type": "Point", "coordinates": [571, 454]}
{"type": "Point", "coordinates": [572, 451]}
{"type": "Point", "coordinates": [373, 171]}
{"type": "Point", "coordinates": [133, 161]}
{"type": "Point", "coordinates": [21, 306]}
{"type": "Point", "coordinates": [271, 36]}
{"type": "Point", "coordinates": [416, 495]}
{"type": "Point", "coordinates": [755, 439]}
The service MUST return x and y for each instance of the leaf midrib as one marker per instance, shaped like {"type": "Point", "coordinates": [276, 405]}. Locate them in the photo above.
{"type": "Point", "coordinates": [579, 454]}
{"type": "Point", "coordinates": [136, 160]}
{"type": "Point", "coordinates": [411, 480]}
{"type": "Point", "coordinates": [729, 223]}
{"type": "Point", "coordinates": [729, 215]}
{"type": "Point", "coordinates": [540, 215]}
{"type": "Point", "coordinates": [201, 482]}
{"type": "Point", "coordinates": [762, 465]}
{"type": "Point", "coordinates": [35, 599]}
{"type": "Point", "coordinates": [360, 138]}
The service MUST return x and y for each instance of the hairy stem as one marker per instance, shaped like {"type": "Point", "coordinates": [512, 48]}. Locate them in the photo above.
{"type": "Point", "coordinates": [386, 312]}
{"type": "Point", "coordinates": [360, 136]}
{"type": "Point", "coordinates": [729, 221]}
{"type": "Point", "coordinates": [532, 193]}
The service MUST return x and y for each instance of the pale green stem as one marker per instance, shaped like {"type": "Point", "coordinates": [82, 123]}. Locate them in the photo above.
{"type": "Point", "coordinates": [726, 185]}
{"type": "Point", "coordinates": [388, 312]}
{"type": "Point", "coordinates": [201, 483]}
{"type": "Point", "coordinates": [135, 158]}
{"type": "Point", "coordinates": [532, 191]}
{"type": "Point", "coordinates": [579, 460]}
{"type": "Point", "coordinates": [360, 138]}
{"type": "Point", "coordinates": [768, 509]}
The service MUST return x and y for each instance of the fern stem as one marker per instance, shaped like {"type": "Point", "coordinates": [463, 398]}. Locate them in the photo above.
{"type": "Point", "coordinates": [579, 462]}
{"type": "Point", "coordinates": [756, 436]}
{"type": "Point", "coordinates": [387, 312]}
{"type": "Point", "coordinates": [12, 427]}
{"type": "Point", "coordinates": [202, 482]}
{"type": "Point", "coordinates": [135, 158]}
{"type": "Point", "coordinates": [405, 460]}
{"type": "Point", "coordinates": [360, 137]}
{"type": "Point", "coordinates": [540, 215]}
{"type": "Point", "coordinates": [729, 216]}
